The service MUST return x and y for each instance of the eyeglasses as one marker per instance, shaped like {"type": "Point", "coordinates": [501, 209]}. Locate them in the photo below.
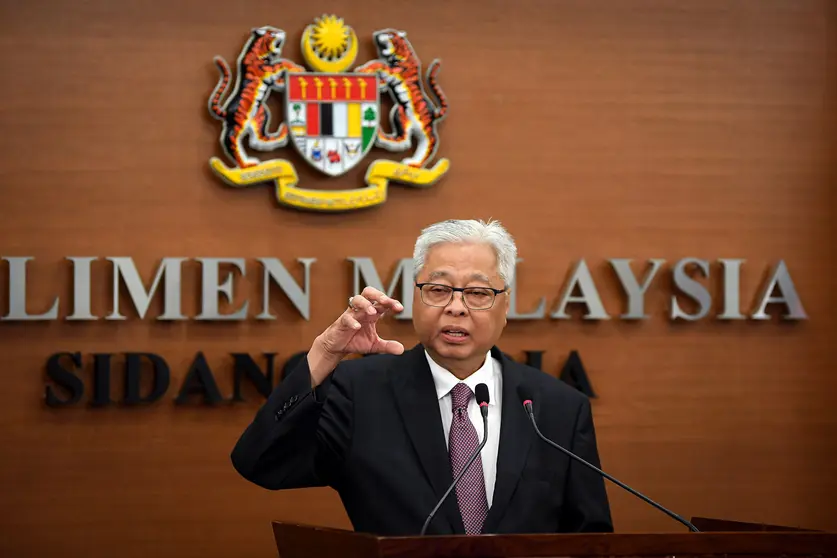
{"type": "Point", "coordinates": [475, 298]}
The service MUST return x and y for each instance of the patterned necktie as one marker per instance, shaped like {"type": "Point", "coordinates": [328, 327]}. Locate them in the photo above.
{"type": "Point", "coordinates": [470, 491]}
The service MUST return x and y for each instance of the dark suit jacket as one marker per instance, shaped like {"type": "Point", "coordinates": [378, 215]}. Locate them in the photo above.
{"type": "Point", "coordinates": [373, 432]}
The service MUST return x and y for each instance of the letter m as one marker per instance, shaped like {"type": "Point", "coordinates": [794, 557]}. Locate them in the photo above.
{"type": "Point", "coordinates": [169, 267]}
{"type": "Point", "coordinates": [365, 275]}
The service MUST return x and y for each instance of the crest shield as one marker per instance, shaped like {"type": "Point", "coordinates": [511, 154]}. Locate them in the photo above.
{"type": "Point", "coordinates": [331, 115]}
{"type": "Point", "coordinates": [333, 118]}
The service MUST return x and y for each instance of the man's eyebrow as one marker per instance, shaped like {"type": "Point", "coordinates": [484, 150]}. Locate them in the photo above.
{"type": "Point", "coordinates": [444, 274]}
{"type": "Point", "coordinates": [480, 277]}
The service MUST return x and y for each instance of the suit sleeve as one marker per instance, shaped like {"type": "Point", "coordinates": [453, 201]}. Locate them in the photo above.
{"type": "Point", "coordinates": [587, 508]}
{"type": "Point", "coordinates": [300, 436]}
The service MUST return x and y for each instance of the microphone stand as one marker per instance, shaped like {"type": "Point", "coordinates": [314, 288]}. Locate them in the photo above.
{"type": "Point", "coordinates": [528, 405]}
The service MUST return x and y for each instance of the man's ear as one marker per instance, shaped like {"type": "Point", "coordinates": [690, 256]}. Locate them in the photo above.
{"type": "Point", "coordinates": [507, 307]}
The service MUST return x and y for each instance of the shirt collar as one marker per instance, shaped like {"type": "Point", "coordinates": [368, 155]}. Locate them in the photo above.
{"type": "Point", "coordinates": [445, 380]}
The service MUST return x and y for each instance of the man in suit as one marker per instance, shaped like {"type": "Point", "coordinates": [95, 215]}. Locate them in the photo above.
{"type": "Point", "coordinates": [390, 431]}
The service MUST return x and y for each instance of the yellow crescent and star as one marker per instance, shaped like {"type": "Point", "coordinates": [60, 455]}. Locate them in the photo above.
{"type": "Point", "coordinates": [329, 45]}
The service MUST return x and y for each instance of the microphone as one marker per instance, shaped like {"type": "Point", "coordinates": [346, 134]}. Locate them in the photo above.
{"type": "Point", "coordinates": [482, 398]}
{"type": "Point", "coordinates": [525, 395]}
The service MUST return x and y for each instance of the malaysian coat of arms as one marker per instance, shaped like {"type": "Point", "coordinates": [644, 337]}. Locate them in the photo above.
{"type": "Point", "coordinates": [332, 114]}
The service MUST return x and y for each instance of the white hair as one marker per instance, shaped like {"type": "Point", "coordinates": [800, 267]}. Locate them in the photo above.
{"type": "Point", "coordinates": [469, 231]}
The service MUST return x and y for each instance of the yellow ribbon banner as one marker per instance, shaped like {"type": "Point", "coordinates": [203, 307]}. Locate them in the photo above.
{"type": "Point", "coordinates": [378, 176]}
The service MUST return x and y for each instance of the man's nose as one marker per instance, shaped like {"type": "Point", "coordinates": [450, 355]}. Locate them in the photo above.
{"type": "Point", "coordinates": [457, 304]}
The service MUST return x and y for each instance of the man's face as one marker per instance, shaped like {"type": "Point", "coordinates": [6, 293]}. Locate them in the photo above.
{"type": "Point", "coordinates": [455, 332]}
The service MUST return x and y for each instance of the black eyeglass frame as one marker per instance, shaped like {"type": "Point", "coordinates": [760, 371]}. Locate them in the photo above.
{"type": "Point", "coordinates": [461, 290]}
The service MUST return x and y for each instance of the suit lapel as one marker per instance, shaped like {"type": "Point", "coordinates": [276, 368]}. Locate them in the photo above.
{"type": "Point", "coordinates": [516, 436]}
{"type": "Point", "coordinates": [415, 393]}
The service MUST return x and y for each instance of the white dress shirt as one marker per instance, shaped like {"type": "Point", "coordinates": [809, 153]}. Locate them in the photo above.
{"type": "Point", "coordinates": [490, 374]}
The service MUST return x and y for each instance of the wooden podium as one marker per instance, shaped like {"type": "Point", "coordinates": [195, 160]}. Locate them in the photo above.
{"type": "Point", "coordinates": [748, 540]}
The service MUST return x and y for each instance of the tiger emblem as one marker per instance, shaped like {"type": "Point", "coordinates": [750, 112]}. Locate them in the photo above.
{"type": "Point", "coordinates": [414, 115]}
{"type": "Point", "coordinates": [244, 114]}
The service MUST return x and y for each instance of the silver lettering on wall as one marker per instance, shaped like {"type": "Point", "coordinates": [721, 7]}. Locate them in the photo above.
{"type": "Point", "coordinates": [299, 296]}
{"type": "Point", "coordinates": [17, 293]}
{"type": "Point", "coordinates": [635, 291]}
{"type": "Point", "coordinates": [169, 270]}
{"type": "Point", "coordinates": [513, 314]}
{"type": "Point", "coordinates": [364, 273]}
{"type": "Point", "coordinates": [81, 289]}
{"type": "Point", "coordinates": [690, 277]}
{"type": "Point", "coordinates": [732, 285]}
{"type": "Point", "coordinates": [691, 288]}
{"type": "Point", "coordinates": [589, 295]}
{"type": "Point", "coordinates": [789, 297]}
{"type": "Point", "coordinates": [211, 288]}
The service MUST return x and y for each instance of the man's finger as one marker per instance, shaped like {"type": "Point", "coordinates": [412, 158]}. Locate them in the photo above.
{"type": "Point", "coordinates": [375, 295]}
{"type": "Point", "coordinates": [389, 302]}
{"type": "Point", "coordinates": [391, 347]}
{"type": "Point", "coordinates": [392, 303]}
{"type": "Point", "coordinates": [362, 304]}
{"type": "Point", "coordinates": [348, 321]}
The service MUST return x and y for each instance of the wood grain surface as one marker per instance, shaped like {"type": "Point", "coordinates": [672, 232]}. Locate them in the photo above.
{"type": "Point", "coordinates": [302, 540]}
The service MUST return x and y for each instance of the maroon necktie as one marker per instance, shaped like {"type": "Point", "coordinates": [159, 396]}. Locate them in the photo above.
{"type": "Point", "coordinates": [470, 491]}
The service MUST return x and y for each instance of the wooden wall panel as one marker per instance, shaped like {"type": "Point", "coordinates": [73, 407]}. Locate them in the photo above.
{"type": "Point", "coordinates": [639, 129]}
